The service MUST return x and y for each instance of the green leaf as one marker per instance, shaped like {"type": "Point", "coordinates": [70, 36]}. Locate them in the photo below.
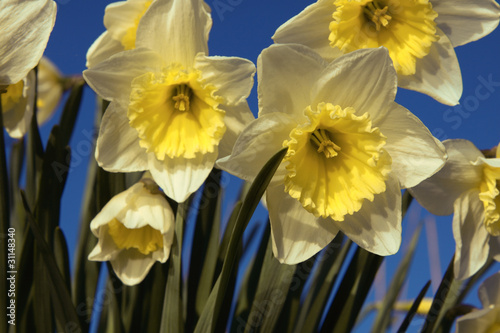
{"type": "Point", "coordinates": [70, 111]}
{"type": "Point", "coordinates": [352, 292]}
{"type": "Point", "coordinates": [274, 283]}
{"type": "Point", "coordinates": [411, 313]}
{"type": "Point", "coordinates": [384, 313]}
{"type": "Point", "coordinates": [61, 256]}
{"type": "Point", "coordinates": [210, 315]}
{"type": "Point", "coordinates": [64, 310]}
{"type": "Point", "coordinates": [172, 317]}
{"type": "Point", "coordinates": [435, 313]}
{"type": "Point", "coordinates": [313, 318]}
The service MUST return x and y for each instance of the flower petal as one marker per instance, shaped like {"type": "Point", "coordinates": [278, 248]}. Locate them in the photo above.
{"type": "Point", "coordinates": [50, 90]}
{"type": "Point", "coordinates": [297, 235]}
{"type": "Point", "coordinates": [369, 70]}
{"type": "Point", "coordinates": [119, 16]}
{"type": "Point", "coordinates": [176, 29]}
{"type": "Point", "coordinates": [104, 47]}
{"type": "Point", "coordinates": [180, 177]}
{"type": "Point", "coordinates": [437, 74]}
{"type": "Point", "coordinates": [489, 291]}
{"type": "Point", "coordinates": [477, 321]}
{"type": "Point", "coordinates": [118, 148]}
{"type": "Point", "coordinates": [286, 74]}
{"type": "Point", "coordinates": [311, 28]}
{"type": "Point", "coordinates": [256, 145]}
{"type": "Point", "coordinates": [471, 237]}
{"type": "Point", "coordinates": [231, 76]}
{"type": "Point", "coordinates": [131, 266]}
{"type": "Point", "coordinates": [416, 154]}
{"type": "Point", "coordinates": [377, 226]}
{"type": "Point", "coordinates": [111, 79]}
{"type": "Point", "coordinates": [466, 21]}
{"type": "Point", "coordinates": [438, 193]}
{"type": "Point", "coordinates": [236, 119]}
{"type": "Point", "coordinates": [26, 27]}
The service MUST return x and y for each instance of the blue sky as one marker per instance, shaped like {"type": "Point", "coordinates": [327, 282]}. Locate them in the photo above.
{"type": "Point", "coordinates": [243, 28]}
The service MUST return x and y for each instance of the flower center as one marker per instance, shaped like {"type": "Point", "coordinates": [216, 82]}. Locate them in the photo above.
{"type": "Point", "coordinates": [128, 39]}
{"type": "Point", "coordinates": [405, 27]}
{"type": "Point", "coordinates": [335, 161]}
{"type": "Point", "coordinates": [489, 195]}
{"type": "Point", "coordinates": [12, 96]}
{"type": "Point", "coordinates": [321, 139]}
{"type": "Point", "coordinates": [175, 113]}
{"type": "Point", "coordinates": [377, 15]}
{"type": "Point", "coordinates": [181, 99]}
{"type": "Point", "coordinates": [145, 239]}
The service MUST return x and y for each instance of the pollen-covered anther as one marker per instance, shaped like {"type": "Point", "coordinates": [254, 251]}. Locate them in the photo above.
{"type": "Point", "coordinates": [321, 139]}
{"type": "Point", "coordinates": [182, 97]}
{"type": "Point", "coordinates": [377, 15]}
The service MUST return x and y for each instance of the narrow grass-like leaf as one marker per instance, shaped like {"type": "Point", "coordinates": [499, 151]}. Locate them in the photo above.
{"type": "Point", "coordinates": [411, 313]}
{"type": "Point", "coordinates": [271, 295]}
{"type": "Point", "coordinates": [383, 317]}
{"type": "Point", "coordinates": [210, 315]}
{"type": "Point", "coordinates": [152, 314]}
{"type": "Point", "coordinates": [313, 318]}
{"type": "Point", "coordinates": [326, 259]}
{"type": "Point", "coordinates": [70, 111]}
{"type": "Point", "coordinates": [250, 281]}
{"type": "Point", "coordinates": [172, 317]}
{"type": "Point", "coordinates": [434, 314]}
{"type": "Point", "coordinates": [61, 255]}
{"type": "Point", "coordinates": [352, 292]}
{"type": "Point", "coordinates": [59, 292]}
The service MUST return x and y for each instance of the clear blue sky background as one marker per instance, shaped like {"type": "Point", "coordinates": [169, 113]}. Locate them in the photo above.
{"type": "Point", "coordinates": [243, 29]}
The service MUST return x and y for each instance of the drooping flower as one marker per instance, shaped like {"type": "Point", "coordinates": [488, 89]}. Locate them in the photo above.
{"type": "Point", "coordinates": [121, 20]}
{"type": "Point", "coordinates": [26, 27]}
{"type": "Point", "coordinates": [420, 36]}
{"type": "Point", "coordinates": [135, 229]}
{"type": "Point", "coordinates": [486, 320]}
{"type": "Point", "coordinates": [18, 100]}
{"type": "Point", "coordinates": [467, 186]}
{"type": "Point", "coordinates": [173, 109]}
{"type": "Point", "coordinates": [351, 149]}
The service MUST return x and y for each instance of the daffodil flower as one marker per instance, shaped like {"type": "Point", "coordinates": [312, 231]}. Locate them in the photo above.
{"type": "Point", "coordinates": [26, 27]}
{"type": "Point", "coordinates": [135, 229]}
{"type": "Point", "coordinates": [467, 186]}
{"type": "Point", "coordinates": [420, 36]}
{"type": "Point", "coordinates": [18, 100]}
{"type": "Point", "coordinates": [351, 149]}
{"type": "Point", "coordinates": [173, 109]}
{"type": "Point", "coordinates": [487, 319]}
{"type": "Point", "coordinates": [121, 20]}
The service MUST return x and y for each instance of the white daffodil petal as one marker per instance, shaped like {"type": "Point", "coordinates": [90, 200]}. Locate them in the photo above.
{"type": "Point", "coordinates": [176, 29]}
{"type": "Point", "coordinates": [466, 21]}
{"type": "Point", "coordinates": [489, 291]}
{"type": "Point", "coordinates": [437, 74]}
{"type": "Point", "coordinates": [285, 74]}
{"type": "Point", "coordinates": [118, 148]}
{"type": "Point", "coordinates": [438, 193]}
{"type": "Point", "coordinates": [231, 76]}
{"type": "Point", "coordinates": [236, 119]}
{"type": "Point", "coordinates": [120, 16]}
{"type": "Point", "coordinates": [180, 177]}
{"type": "Point", "coordinates": [297, 234]}
{"type": "Point", "coordinates": [377, 226]}
{"type": "Point", "coordinates": [50, 90]}
{"type": "Point", "coordinates": [111, 79]}
{"type": "Point", "coordinates": [103, 48]}
{"type": "Point", "coordinates": [311, 28]}
{"type": "Point", "coordinates": [375, 84]}
{"type": "Point", "coordinates": [131, 266]}
{"type": "Point", "coordinates": [478, 321]}
{"type": "Point", "coordinates": [471, 237]}
{"type": "Point", "coordinates": [416, 155]}
{"type": "Point", "coordinates": [256, 145]}
{"type": "Point", "coordinates": [26, 27]}
{"type": "Point", "coordinates": [105, 249]}
{"type": "Point", "coordinates": [17, 118]}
